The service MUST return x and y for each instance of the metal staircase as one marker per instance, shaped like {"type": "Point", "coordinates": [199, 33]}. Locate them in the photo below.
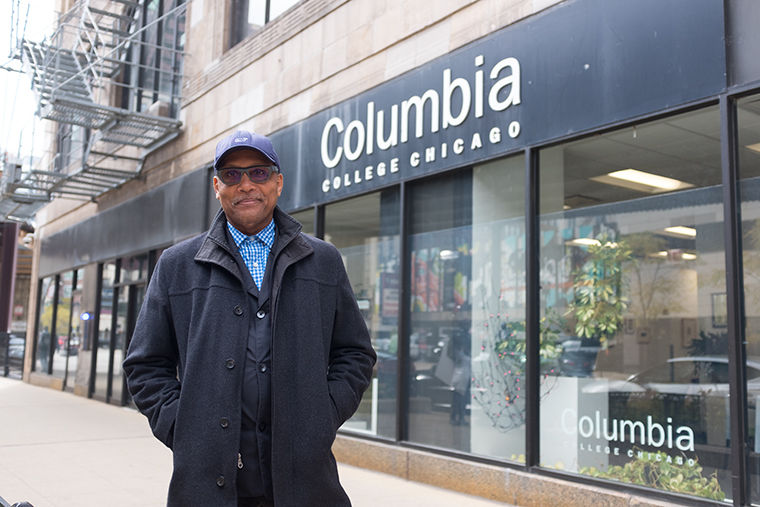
{"type": "Point", "coordinates": [84, 75]}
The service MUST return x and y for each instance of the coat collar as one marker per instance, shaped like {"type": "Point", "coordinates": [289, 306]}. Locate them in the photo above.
{"type": "Point", "coordinates": [216, 248]}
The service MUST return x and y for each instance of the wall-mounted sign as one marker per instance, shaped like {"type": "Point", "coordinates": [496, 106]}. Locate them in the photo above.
{"type": "Point", "coordinates": [435, 110]}
{"type": "Point", "coordinates": [575, 67]}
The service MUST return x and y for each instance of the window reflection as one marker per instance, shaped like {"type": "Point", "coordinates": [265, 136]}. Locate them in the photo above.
{"type": "Point", "coordinates": [306, 219]}
{"type": "Point", "coordinates": [120, 341]}
{"type": "Point", "coordinates": [498, 309]}
{"type": "Point", "coordinates": [104, 330]}
{"type": "Point", "coordinates": [749, 169]}
{"type": "Point", "coordinates": [250, 16]}
{"type": "Point", "coordinates": [440, 342]}
{"type": "Point", "coordinates": [154, 72]}
{"type": "Point", "coordinates": [134, 269]}
{"type": "Point", "coordinates": [62, 323]}
{"type": "Point", "coordinates": [628, 269]}
{"type": "Point", "coordinates": [44, 350]}
{"type": "Point", "coordinates": [467, 332]}
{"type": "Point", "coordinates": [366, 231]}
{"type": "Point", "coordinates": [76, 338]}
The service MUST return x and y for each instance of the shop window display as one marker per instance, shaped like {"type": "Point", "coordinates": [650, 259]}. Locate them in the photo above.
{"type": "Point", "coordinates": [632, 268]}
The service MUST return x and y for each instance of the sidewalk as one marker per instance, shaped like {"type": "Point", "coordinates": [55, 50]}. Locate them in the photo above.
{"type": "Point", "coordinates": [61, 450]}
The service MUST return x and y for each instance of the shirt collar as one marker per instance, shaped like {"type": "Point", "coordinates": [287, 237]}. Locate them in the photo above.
{"type": "Point", "coordinates": [265, 235]}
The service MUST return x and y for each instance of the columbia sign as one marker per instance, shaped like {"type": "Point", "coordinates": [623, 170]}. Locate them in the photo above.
{"type": "Point", "coordinates": [449, 106]}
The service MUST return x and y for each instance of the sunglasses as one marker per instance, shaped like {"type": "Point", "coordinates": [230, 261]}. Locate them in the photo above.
{"type": "Point", "coordinates": [256, 173]}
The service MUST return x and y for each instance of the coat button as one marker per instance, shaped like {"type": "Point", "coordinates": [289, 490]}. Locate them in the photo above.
{"type": "Point", "coordinates": [238, 310]}
{"type": "Point", "coordinates": [224, 422]}
{"type": "Point", "coordinates": [229, 364]}
{"type": "Point", "coordinates": [262, 427]}
{"type": "Point", "coordinates": [263, 368]}
{"type": "Point", "coordinates": [261, 314]}
{"type": "Point", "coordinates": [220, 481]}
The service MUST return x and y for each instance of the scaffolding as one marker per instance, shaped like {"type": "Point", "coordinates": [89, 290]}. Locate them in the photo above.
{"type": "Point", "coordinates": [114, 70]}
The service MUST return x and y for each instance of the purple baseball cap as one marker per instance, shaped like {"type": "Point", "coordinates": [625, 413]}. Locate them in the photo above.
{"type": "Point", "coordinates": [242, 139]}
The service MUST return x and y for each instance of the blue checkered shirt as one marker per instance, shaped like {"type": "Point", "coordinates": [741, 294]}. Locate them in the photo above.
{"type": "Point", "coordinates": [255, 249]}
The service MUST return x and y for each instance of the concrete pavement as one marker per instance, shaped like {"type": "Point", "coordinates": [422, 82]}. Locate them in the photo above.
{"type": "Point", "coordinates": [62, 450]}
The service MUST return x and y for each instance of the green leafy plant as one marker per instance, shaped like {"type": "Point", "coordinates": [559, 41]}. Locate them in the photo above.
{"type": "Point", "coordinates": [599, 304]}
{"type": "Point", "coordinates": [508, 342]}
{"type": "Point", "coordinates": [657, 470]}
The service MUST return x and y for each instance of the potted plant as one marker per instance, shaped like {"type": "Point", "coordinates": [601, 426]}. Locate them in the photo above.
{"type": "Point", "coordinates": [599, 303]}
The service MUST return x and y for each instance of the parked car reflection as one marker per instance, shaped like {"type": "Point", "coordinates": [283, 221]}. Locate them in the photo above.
{"type": "Point", "coordinates": [685, 376]}
{"type": "Point", "coordinates": [16, 347]}
{"type": "Point", "coordinates": [578, 357]}
{"type": "Point", "coordinates": [12, 351]}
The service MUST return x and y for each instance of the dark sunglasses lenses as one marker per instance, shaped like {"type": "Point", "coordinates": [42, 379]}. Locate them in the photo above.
{"type": "Point", "coordinates": [257, 174]}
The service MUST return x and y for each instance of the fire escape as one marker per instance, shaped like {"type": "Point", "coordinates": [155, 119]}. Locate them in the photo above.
{"type": "Point", "coordinates": [100, 71]}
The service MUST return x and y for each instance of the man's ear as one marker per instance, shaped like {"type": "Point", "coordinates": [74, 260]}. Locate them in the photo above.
{"type": "Point", "coordinates": [215, 182]}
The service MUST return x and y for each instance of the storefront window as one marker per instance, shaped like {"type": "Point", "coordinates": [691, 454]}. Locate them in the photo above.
{"type": "Point", "coordinates": [749, 167]}
{"type": "Point", "coordinates": [44, 351]}
{"type": "Point", "coordinates": [130, 291]}
{"type": "Point", "coordinates": [366, 231]}
{"type": "Point", "coordinates": [120, 340]}
{"type": "Point", "coordinates": [62, 322]}
{"type": "Point", "coordinates": [467, 326]}
{"type": "Point", "coordinates": [104, 330]}
{"type": "Point", "coordinates": [306, 218]}
{"type": "Point", "coordinates": [249, 16]}
{"type": "Point", "coordinates": [440, 246]}
{"type": "Point", "coordinates": [633, 308]}
{"type": "Point", "coordinates": [134, 269]}
{"type": "Point", "coordinates": [497, 297]}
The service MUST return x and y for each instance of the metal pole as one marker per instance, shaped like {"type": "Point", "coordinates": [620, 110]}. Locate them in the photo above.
{"type": "Point", "coordinates": [532, 298]}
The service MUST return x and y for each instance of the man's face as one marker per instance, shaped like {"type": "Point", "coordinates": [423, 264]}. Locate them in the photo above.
{"type": "Point", "coordinates": [249, 206]}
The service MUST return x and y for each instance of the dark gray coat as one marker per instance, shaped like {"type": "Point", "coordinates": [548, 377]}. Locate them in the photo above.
{"type": "Point", "coordinates": [185, 363]}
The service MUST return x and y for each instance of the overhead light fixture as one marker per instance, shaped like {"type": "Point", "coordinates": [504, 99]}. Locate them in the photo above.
{"type": "Point", "coordinates": [590, 242]}
{"type": "Point", "coordinates": [674, 255]}
{"type": "Point", "coordinates": [682, 230]}
{"type": "Point", "coordinates": [584, 242]}
{"type": "Point", "coordinates": [754, 147]}
{"type": "Point", "coordinates": [448, 255]}
{"type": "Point", "coordinates": [642, 181]}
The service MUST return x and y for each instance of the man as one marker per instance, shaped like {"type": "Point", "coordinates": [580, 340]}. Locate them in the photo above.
{"type": "Point", "coordinates": [250, 350]}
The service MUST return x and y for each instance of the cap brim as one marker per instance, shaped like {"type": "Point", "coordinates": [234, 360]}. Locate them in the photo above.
{"type": "Point", "coordinates": [241, 148]}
